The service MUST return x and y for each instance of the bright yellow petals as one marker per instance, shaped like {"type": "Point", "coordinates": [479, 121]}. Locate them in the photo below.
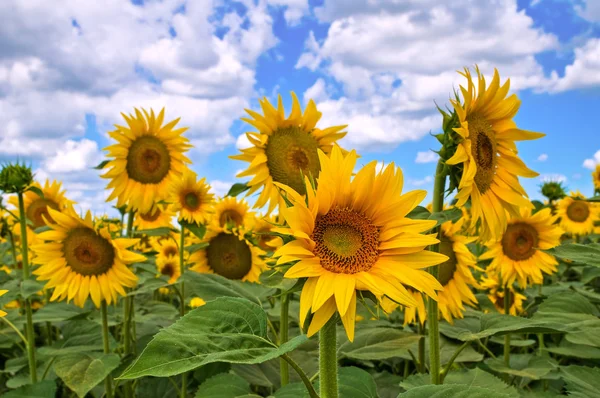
{"type": "Point", "coordinates": [228, 254]}
{"type": "Point", "coordinates": [352, 234]}
{"type": "Point", "coordinates": [488, 154]}
{"type": "Point", "coordinates": [262, 230]}
{"type": "Point", "coordinates": [191, 198]}
{"type": "Point", "coordinates": [231, 213]}
{"type": "Point", "coordinates": [36, 207]}
{"type": "Point", "coordinates": [283, 149]}
{"type": "Point", "coordinates": [169, 266]}
{"type": "Point", "coordinates": [496, 294]}
{"type": "Point", "coordinates": [79, 261]}
{"type": "Point", "coordinates": [577, 216]}
{"type": "Point", "coordinates": [517, 255]}
{"type": "Point", "coordinates": [2, 293]}
{"type": "Point", "coordinates": [145, 161]}
{"type": "Point", "coordinates": [197, 302]}
{"type": "Point", "coordinates": [159, 216]}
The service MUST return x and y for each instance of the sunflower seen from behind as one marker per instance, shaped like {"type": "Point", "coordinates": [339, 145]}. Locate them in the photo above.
{"type": "Point", "coordinates": [454, 275]}
{"type": "Point", "coordinates": [229, 254]}
{"type": "Point", "coordinates": [79, 261]}
{"type": "Point", "coordinates": [191, 199]}
{"type": "Point", "coordinates": [36, 206]}
{"type": "Point", "coordinates": [577, 216]}
{"type": "Point", "coordinates": [488, 154]}
{"type": "Point", "coordinates": [284, 148]}
{"type": "Point", "coordinates": [146, 159]}
{"type": "Point", "coordinates": [351, 234]}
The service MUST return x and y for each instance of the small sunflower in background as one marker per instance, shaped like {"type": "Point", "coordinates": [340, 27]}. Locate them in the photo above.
{"type": "Point", "coordinates": [197, 302]}
{"type": "Point", "coordinates": [518, 254]}
{"type": "Point", "coordinates": [169, 266]}
{"type": "Point", "coordinates": [284, 148]}
{"type": "Point", "coordinates": [488, 154]}
{"type": "Point", "coordinates": [160, 215]}
{"type": "Point", "coordinates": [454, 275]}
{"type": "Point", "coordinates": [262, 229]}
{"type": "Point", "coordinates": [2, 293]}
{"type": "Point", "coordinates": [146, 159]}
{"type": "Point", "coordinates": [596, 178]}
{"type": "Point", "coordinates": [144, 244]}
{"type": "Point", "coordinates": [577, 215]}
{"type": "Point", "coordinates": [491, 282]}
{"type": "Point", "coordinates": [351, 234]}
{"type": "Point", "coordinates": [191, 198]}
{"type": "Point", "coordinates": [165, 247]}
{"type": "Point", "coordinates": [36, 207]}
{"type": "Point", "coordinates": [79, 261]}
{"type": "Point", "coordinates": [233, 213]}
{"type": "Point", "coordinates": [230, 255]}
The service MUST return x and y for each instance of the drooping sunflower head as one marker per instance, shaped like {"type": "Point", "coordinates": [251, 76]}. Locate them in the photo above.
{"type": "Point", "coordinates": [169, 267]}
{"type": "Point", "coordinates": [262, 231]}
{"type": "Point", "coordinates": [352, 234]}
{"type": "Point", "coordinates": [79, 261]}
{"type": "Point", "coordinates": [230, 212]}
{"type": "Point", "coordinates": [191, 198]}
{"type": "Point", "coordinates": [517, 255]}
{"type": "Point", "coordinates": [577, 216]}
{"type": "Point", "coordinates": [596, 178]}
{"type": "Point", "coordinates": [36, 207]}
{"type": "Point", "coordinates": [488, 155]}
{"type": "Point", "coordinates": [284, 149]}
{"type": "Point", "coordinates": [230, 255]}
{"type": "Point", "coordinates": [160, 215]}
{"type": "Point", "coordinates": [146, 160]}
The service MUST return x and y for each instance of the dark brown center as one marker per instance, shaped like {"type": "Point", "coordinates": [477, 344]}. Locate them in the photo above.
{"type": "Point", "coordinates": [229, 256]}
{"type": "Point", "coordinates": [38, 209]}
{"type": "Point", "coordinates": [148, 160]}
{"type": "Point", "coordinates": [520, 241]}
{"type": "Point", "coordinates": [88, 253]}
{"type": "Point", "coordinates": [578, 211]}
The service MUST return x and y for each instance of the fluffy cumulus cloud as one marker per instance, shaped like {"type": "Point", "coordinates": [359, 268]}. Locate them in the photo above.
{"type": "Point", "coordinates": [590, 10]}
{"type": "Point", "coordinates": [394, 59]}
{"type": "Point", "coordinates": [426, 157]}
{"type": "Point", "coordinates": [592, 162]}
{"type": "Point", "coordinates": [294, 9]}
{"type": "Point", "coordinates": [583, 72]}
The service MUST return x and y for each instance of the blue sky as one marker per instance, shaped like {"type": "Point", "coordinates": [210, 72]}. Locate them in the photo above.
{"type": "Point", "coordinates": [378, 66]}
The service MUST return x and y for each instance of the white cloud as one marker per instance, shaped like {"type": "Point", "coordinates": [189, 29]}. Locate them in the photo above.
{"type": "Point", "coordinates": [583, 72]}
{"type": "Point", "coordinates": [220, 188]}
{"type": "Point", "coordinates": [591, 163]}
{"type": "Point", "coordinates": [242, 142]}
{"type": "Point", "coordinates": [543, 157]}
{"type": "Point", "coordinates": [294, 9]}
{"type": "Point", "coordinates": [74, 156]}
{"type": "Point", "coordinates": [426, 157]}
{"type": "Point", "coordinates": [424, 181]}
{"type": "Point", "coordinates": [553, 178]}
{"type": "Point", "coordinates": [590, 11]}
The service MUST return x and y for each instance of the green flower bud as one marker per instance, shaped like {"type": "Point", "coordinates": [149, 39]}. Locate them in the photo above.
{"type": "Point", "coordinates": [15, 178]}
{"type": "Point", "coordinates": [553, 190]}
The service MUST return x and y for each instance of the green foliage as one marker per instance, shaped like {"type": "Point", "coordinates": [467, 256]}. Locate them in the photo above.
{"type": "Point", "coordinates": [83, 371]}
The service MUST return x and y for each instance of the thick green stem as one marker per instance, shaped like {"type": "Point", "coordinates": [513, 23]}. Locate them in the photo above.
{"type": "Point", "coordinates": [283, 337]}
{"type": "Point", "coordinates": [507, 336]}
{"type": "Point", "coordinates": [432, 305]}
{"type": "Point", "coordinates": [127, 314]}
{"type": "Point", "coordinates": [49, 324]}
{"type": "Point", "coordinates": [182, 300]}
{"type": "Point", "coordinates": [421, 365]}
{"type": "Point", "coordinates": [25, 262]}
{"type": "Point", "coordinates": [106, 341]}
{"type": "Point", "coordinates": [328, 366]}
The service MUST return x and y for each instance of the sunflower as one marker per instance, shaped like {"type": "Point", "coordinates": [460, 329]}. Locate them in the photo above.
{"type": "Point", "coordinates": [159, 216]}
{"type": "Point", "coordinates": [230, 255]}
{"type": "Point", "coordinates": [165, 247]}
{"type": "Point", "coordinates": [169, 266]}
{"type": "Point", "coordinates": [232, 213]}
{"type": "Point", "coordinates": [517, 254]}
{"type": "Point", "coordinates": [352, 235]}
{"type": "Point", "coordinates": [191, 198]}
{"type": "Point", "coordinates": [596, 178]}
{"type": "Point", "coordinates": [197, 302]}
{"type": "Point", "coordinates": [488, 154]}
{"type": "Point", "coordinates": [146, 160]}
{"type": "Point", "coordinates": [79, 261]}
{"type": "Point", "coordinates": [2, 293]}
{"type": "Point", "coordinates": [284, 149]}
{"type": "Point", "coordinates": [577, 216]}
{"type": "Point", "coordinates": [144, 244]}
{"type": "Point", "coordinates": [491, 282]}
{"type": "Point", "coordinates": [262, 229]}
{"type": "Point", "coordinates": [454, 275]}
{"type": "Point", "coordinates": [36, 207]}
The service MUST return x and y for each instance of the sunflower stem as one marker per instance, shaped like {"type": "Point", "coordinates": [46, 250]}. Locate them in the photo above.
{"type": "Point", "coordinates": [25, 262]}
{"type": "Point", "coordinates": [283, 337]}
{"type": "Point", "coordinates": [105, 340]}
{"type": "Point", "coordinates": [307, 382]}
{"type": "Point", "coordinates": [432, 305]}
{"type": "Point", "coordinates": [421, 364]}
{"type": "Point", "coordinates": [328, 366]}
{"type": "Point", "coordinates": [127, 313]}
{"type": "Point", "coordinates": [507, 336]}
{"type": "Point", "coordinates": [182, 300]}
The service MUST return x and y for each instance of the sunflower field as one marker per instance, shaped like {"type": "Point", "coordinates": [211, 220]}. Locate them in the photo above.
{"type": "Point", "coordinates": [337, 282]}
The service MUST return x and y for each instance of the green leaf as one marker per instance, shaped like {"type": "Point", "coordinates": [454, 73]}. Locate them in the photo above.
{"type": "Point", "coordinates": [388, 385]}
{"type": "Point", "coordinates": [225, 385]}
{"type": "Point", "coordinates": [452, 214]}
{"type": "Point", "coordinates": [29, 287]}
{"type": "Point", "coordinates": [578, 253]}
{"type": "Point", "coordinates": [453, 391]}
{"type": "Point", "coordinates": [196, 247]}
{"type": "Point", "coordinates": [237, 189]}
{"type": "Point", "coordinates": [36, 190]}
{"type": "Point", "coordinates": [83, 371]}
{"type": "Point", "coordinates": [162, 231]}
{"type": "Point", "coordinates": [212, 286]}
{"type": "Point", "coordinates": [292, 390]}
{"type": "Point", "coordinates": [378, 343]}
{"type": "Point", "coordinates": [567, 349]}
{"type": "Point", "coordinates": [524, 365]}
{"type": "Point", "coordinates": [274, 279]}
{"type": "Point", "coordinates": [43, 389]}
{"type": "Point", "coordinates": [57, 312]}
{"type": "Point", "coordinates": [102, 165]}
{"type": "Point", "coordinates": [594, 199]}
{"type": "Point", "coordinates": [197, 229]}
{"type": "Point", "coordinates": [419, 213]}
{"type": "Point", "coordinates": [230, 330]}
{"type": "Point", "coordinates": [356, 383]}
{"type": "Point", "coordinates": [582, 382]}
